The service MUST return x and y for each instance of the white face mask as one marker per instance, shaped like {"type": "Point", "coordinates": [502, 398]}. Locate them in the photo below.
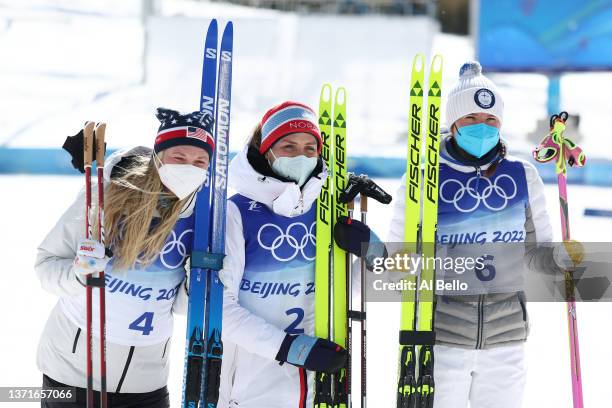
{"type": "Point", "coordinates": [296, 168]}
{"type": "Point", "coordinates": [181, 179]}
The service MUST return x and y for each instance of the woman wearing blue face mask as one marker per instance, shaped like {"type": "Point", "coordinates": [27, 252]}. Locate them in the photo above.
{"type": "Point", "coordinates": [270, 352]}
{"type": "Point", "coordinates": [495, 204]}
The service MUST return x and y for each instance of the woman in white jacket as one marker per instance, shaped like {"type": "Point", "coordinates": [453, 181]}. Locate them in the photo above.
{"type": "Point", "coordinates": [150, 197]}
{"type": "Point", "coordinates": [268, 273]}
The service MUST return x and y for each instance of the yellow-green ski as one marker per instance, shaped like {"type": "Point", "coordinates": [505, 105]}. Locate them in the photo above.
{"type": "Point", "coordinates": [331, 307]}
{"type": "Point", "coordinates": [341, 382]}
{"type": "Point", "coordinates": [417, 337]}
{"type": "Point", "coordinates": [323, 275]}
{"type": "Point", "coordinates": [406, 385]}
{"type": "Point", "coordinates": [425, 321]}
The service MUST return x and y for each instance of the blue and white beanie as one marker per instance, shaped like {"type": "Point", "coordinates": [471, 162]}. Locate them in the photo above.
{"type": "Point", "coordinates": [473, 93]}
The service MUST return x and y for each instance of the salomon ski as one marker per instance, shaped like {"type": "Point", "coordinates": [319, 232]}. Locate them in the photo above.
{"type": "Point", "coordinates": [204, 349]}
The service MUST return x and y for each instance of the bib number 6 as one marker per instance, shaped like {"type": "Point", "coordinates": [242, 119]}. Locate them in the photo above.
{"type": "Point", "coordinates": [143, 324]}
{"type": "Point", "coordinates": [487, 272]}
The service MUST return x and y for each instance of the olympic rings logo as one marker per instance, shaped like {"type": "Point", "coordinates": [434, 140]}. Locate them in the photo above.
{"type": "Point", "coordinates": [172, 246]}
{"type": "Point", "coordinates": [495, 195]}
{"type": "Point", "coordinates": [297, 237]}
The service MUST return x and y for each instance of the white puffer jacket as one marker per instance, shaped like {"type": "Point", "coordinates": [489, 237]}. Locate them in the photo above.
{"type": "Point", "coordinates": [137, 360]}
{"type": "Point", "coordinates": [250, 375]}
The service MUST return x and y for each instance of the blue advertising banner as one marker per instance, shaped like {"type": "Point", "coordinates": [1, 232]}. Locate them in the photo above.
{"type": "Point", "coordinates": [544, 35]}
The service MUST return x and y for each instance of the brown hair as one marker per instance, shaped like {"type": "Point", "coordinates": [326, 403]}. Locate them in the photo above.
{"type": "Point", "coordinates": [255, 140]}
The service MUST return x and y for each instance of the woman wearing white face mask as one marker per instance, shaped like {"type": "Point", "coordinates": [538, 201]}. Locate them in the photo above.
{"type": "Point", "coordinates": [268, 311]}
{"type": "Point", "coordinates": [149, 201]}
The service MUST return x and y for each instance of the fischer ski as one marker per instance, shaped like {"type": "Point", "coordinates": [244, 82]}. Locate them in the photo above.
{"type": "Point", "coordinates": [323, 276]}
{"type": "Point", "coordinates": [204, 350]}
{"type": "Point", "coordinates": [331, 280]}
{"type": "Point", "coordinates": [341, 389]}
{"type": "Point", "coordinates": [556, 147]}
{"type": "Point", "coordinates": [417, 336]}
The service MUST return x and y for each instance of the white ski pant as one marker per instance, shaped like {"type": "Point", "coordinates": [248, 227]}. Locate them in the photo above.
{"type": "Point", "coordinates": [492, 378]}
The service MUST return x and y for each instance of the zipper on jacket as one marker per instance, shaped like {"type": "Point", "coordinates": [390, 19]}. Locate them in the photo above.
{"type": "Point", "coordinates": [125, 369]}
{"type": "Point", "coordinates": [299, 208]}
{"type": "Point", "coordinates": [478, 173]}
{"type": "Point", "coordinates": [479, 334]}
{"type": "Point", "coordinates": [523, 307]}
{"type": "Point", "coordinates": [76, 340]}
{"type": "Point", "coordinates": [165, 346]}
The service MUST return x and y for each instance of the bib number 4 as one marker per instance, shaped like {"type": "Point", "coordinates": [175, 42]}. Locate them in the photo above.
{"type": "Point", "coordinates": [143, 324]}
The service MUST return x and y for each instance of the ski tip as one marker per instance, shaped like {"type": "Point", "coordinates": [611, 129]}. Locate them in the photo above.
{"type": "Point", "coordinates": [213, 25]}
{"type": "Point", "coordinates": [340, 96]}
{"type": "Point", "coordinates": [229, 29]}
{"type": "Point", "coordinates": [326, 92]}
{"type": "Point", "coordinates": [418, 62]}
{"type": "Point", "coordinates": [436, 63]}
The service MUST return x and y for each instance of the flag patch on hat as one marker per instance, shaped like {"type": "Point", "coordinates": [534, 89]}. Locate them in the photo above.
{"type": "Point", "coordinates": [197, 133]}
{"type": "Point", "coordinates": [484, 98]}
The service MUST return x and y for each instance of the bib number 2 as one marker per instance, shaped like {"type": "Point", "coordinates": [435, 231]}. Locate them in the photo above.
{"type": "Point", "coordinates": [144, 323]}
{"type": "Point", "coordinates": [299, 316]}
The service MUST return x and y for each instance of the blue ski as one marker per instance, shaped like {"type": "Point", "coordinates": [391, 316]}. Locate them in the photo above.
{"type": "Point", "coordinates": [214, 304]}
{"type": "Point", "coordinates": [195, 348]}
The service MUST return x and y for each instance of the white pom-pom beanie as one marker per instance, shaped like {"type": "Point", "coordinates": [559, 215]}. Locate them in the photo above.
{"type": "Point", "coordinates": [473, 93]}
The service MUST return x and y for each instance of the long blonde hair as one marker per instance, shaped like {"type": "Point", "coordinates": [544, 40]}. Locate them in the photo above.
{"type": "Point", "coordinates": [131, 201]}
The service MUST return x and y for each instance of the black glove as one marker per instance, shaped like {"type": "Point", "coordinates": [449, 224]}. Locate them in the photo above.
{"type": "Point", "coordinates": [363, 185]}
{"type": "Point", "coordinates": [352, 236]}
{"type": "Point", "coordinates": [312, 353]}
{"type": "Point", "coordinates": [74, 146]}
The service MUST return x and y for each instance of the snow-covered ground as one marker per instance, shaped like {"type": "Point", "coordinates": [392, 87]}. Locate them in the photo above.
{"type": "Point", "coordinates": [32, 204]}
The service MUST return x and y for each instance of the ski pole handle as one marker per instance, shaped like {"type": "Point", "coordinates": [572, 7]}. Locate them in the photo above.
{"type": "Point", "coordinates": [363, 206]}
{"type": "Point", "coordinates": [100, 144]}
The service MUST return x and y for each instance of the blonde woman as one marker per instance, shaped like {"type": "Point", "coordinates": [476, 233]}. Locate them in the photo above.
{"type": "Point", "coordinates": [150, 197]}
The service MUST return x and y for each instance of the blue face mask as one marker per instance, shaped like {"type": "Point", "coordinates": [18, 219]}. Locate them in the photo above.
{"type": "Point", "coordinates": [478, 139]}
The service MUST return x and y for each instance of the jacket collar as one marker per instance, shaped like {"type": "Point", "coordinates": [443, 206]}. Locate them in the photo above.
{"type": "Point", "coordinates": [450, 156]}
{"type": "Point", "coordinates": [282, 196]}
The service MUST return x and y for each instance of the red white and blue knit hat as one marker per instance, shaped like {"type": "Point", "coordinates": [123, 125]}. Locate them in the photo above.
{"type": "Point", "coordinates": [175, 129]}
{"type": "Point", "coordinates": [286, 118]}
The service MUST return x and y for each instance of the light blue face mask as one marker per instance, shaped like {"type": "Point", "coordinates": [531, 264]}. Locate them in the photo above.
{"type": "Point", "coordinates": [478, 139]}
{"type": "Point", "coordinates": [296, 168]}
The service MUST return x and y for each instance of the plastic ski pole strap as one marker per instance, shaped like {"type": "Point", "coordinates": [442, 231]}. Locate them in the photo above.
{"type": "Point", "coordinates": [410, 337]}
{"type": "Point", "coordinates": [357, 315]}
{"type": "Point", "coordinates": [207, 260]}
{"type": "Point", "coordinates": [95, 282]}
